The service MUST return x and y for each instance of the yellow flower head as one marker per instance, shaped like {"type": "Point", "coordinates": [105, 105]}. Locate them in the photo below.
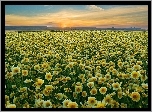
{"type": "Point", "coordinates": [89, 75]}
{"type": "Point", "coordinates": [65, 103]}
{"type": "Point", "coordinates": [135, 96]}
{"type": "Point", "coordinates": [114, 72]}
{"type": "Point", "coordinates": [90, 79]}
{"type": "Point", "coordinates": [9, 74]}
{"type": "Point", "coordinates": [90, 84]}
{"type": "Point", "coordinates": [123, 105]}
{"type": "Point", "coordinates": [59, 96]}
{"type": "Point", "coordinates": [49, 87]}
{"type": "Point", "coordinates": [91, 101]}
{"type": "Point", "coordinates": [114, 104]}
{"type": "Point", "coordinates": [107, 99]}
{"type": "Point", "coordinates": [25, 60]}
{"type": "Point", "coordinates": [98, 68]}
{"type": "Point", "coordinates": [68, 78]}
{"type": "Point", "coordinates": [103, 64]}
{"type": "Point", "coordinates": [81, 76]}
{"type": "Point", "coordinates": [120, 94]}
{"type": "Point", "coordinates": [103, 90]}
{"type": "Point", "coordinates": [47, 104]}
{"type": "Point", "coordinates": [84, 93]}
{"type": "Point", "coordinates": [55, 72]}
{"type": "Point", "coordinates": [6, 98]}
{"type": "Point", "coordinates": [135, 75]}
{"type": "Point", "coordinates": [93, 91]}
{"type": "Point", "coordinates": [143, 76]}
{"type": "Point", "coordinates": [100, 105]}
{"type": "Point", "coordinates": [98, 75]}
{"type": "Point", "coordinates": [38, 96]}
{"type": "Point", "coordinates": [46, 92]}
{"type": "Point", "coordinates": [120, 64]}
{"type": "Point", "coordinates": [26, 105]}
{"type": "Point", "coordinates": [72, 105]}
{"type": "Point", "coordinates": [116, 86]}
{"type": "Point", "coordinates": [45, 65]}
{"type": "Point", "coordinates": [108, 76]}
{"type": "Point", "coordinates": [48, 76]}
{"type": "Point", "coordinates": [94, 78]}
{"type": "Point", "coordinates": [101, 80]}
{"type": "Point", "coordinates": [145, 86]}
{"type": "Point", "coordinates": [15, 70]}
{"type": "Point", "coordinates": [111, 68]}
{"type": "Point", "coordinates": [64, 79]}
{"type": "Point", "coordinates": [11, 106]}
{"type": "Point", "coordinates": [39, 83]}
{"type": "Point", "coordinates": [136, 67]}
{"type": "Point", "coordinates": [39, 103]}
{"type": "Point", "coordinates": [24, 89]}
{"type": "Point", "coordinates": [37, 67]}
{"type": "Point", "coordinates": [70, 65]}
{"type": "Point", "coordinates": [78, 89]}
{"type": "Point", "coordinates": [24, 72]}
{"type": "Point", "coordinates": [139, 63]}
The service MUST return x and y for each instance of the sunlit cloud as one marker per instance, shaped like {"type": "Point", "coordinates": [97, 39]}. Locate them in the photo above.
{"type": "Point", "coordinates": [94, 8]}
{"type": "Point", "coordinates": [118, 16]}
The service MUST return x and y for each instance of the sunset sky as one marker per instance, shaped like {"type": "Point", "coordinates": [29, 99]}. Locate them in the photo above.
{"type": "Point", "coordinates": [77, 15]}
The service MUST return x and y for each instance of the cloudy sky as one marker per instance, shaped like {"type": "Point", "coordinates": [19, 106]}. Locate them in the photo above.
{"type": "Point", "coordinates": [77, 15]}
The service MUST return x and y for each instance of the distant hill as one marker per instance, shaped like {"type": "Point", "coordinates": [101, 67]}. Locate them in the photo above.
{"type": "Point", "coordinates": [35, 28]}
{"type": "Point", "coordinates": [18, 28]}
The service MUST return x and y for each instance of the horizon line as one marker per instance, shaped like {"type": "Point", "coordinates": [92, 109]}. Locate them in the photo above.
{"type": "Point", "coordinates": [74, 27]}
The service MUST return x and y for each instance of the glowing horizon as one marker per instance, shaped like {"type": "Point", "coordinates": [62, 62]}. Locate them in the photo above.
{"type": "Point", "coordinates": [101, 16]}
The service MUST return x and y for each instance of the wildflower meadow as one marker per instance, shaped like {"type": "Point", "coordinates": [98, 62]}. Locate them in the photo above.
{"type": "Point", "coordinates": [76, 69]}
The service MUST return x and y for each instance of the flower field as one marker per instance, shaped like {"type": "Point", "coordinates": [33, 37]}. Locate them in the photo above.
{"type": "Point", "coordinates": [76, 69]}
